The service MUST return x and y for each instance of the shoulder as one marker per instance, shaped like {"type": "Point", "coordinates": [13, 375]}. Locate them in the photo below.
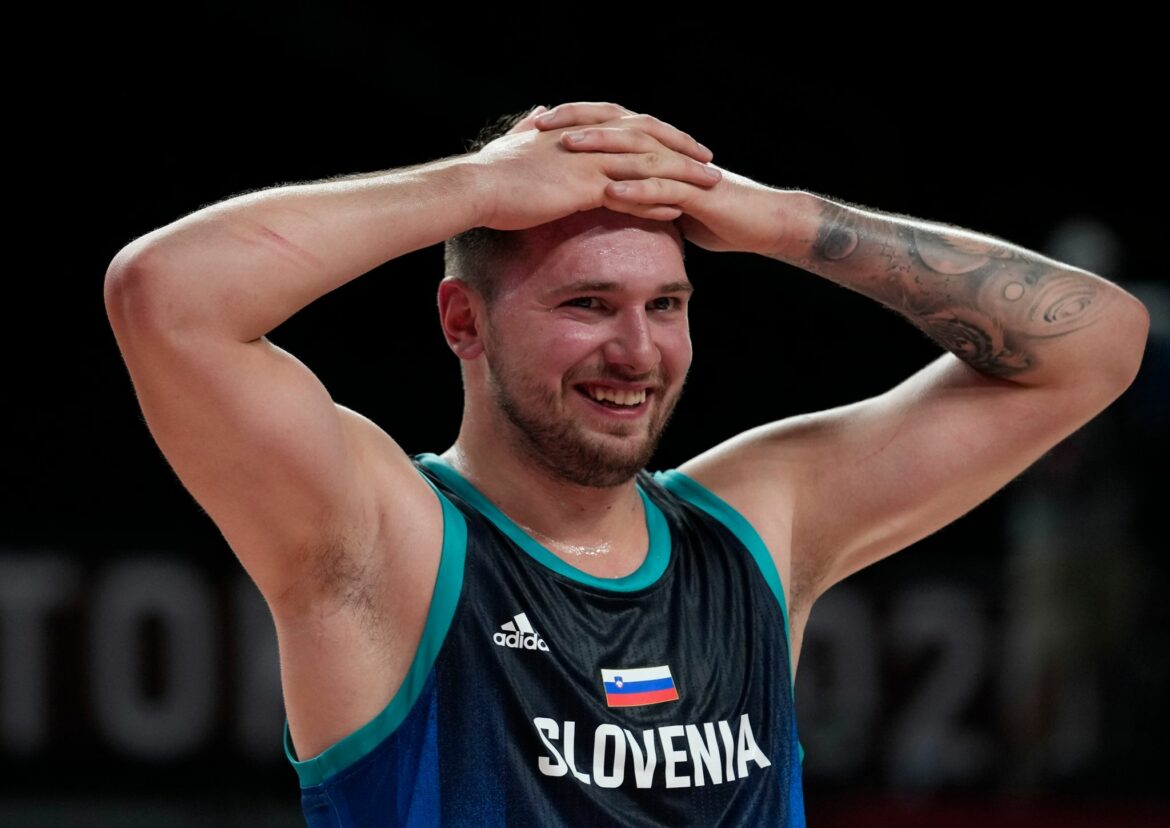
{"type": "Point", "coordinates": [708, 504]}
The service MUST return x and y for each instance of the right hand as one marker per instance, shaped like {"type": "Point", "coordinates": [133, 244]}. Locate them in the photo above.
{"type": "Point", "coordinates": [532, 178]}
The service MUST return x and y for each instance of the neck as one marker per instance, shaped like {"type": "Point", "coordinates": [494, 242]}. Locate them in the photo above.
{"type": "Point", "coordinates": [569, 513]}
{"type": "Point", "coordinates": [563, 516]}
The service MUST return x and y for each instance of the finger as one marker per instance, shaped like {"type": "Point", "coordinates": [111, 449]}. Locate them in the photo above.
{"type": "Point", "coordinates": [588, 112]}
{"type": "Point", "coordinates": [668, 135]}
{"type": "Point", "coordinates": [657, 212]}
{"type": "Point", "coordinates": [661, 164]}
{"type": "Point", "coordinates": [649, 192]}
{"type": "Point", "coordinates": [618, 140]}
{"type": "Point", "coordinates": [653, 210]}
{"type": "Point", "coordinates": [528, 121]}
{"type": "Point", "coordinates": [629, 134]}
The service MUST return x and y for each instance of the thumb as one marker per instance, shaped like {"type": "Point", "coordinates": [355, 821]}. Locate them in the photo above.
{"type": "Point", "coordinates": [528, 121]}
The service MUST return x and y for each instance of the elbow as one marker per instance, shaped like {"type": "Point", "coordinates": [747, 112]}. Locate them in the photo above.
{"type": "Point", "coordinates": [1127, 347]}
{"type": "Point", "coordinates": [1135, 333]}
{"type": "Point", "coordinates": [122, 287]}
{"type": "Point", "coordinates": [125, 270]}
{"type": "Point", "coordinates": [132, 290]}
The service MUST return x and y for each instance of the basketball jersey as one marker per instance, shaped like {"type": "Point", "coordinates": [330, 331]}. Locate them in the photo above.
{"type": "Point", "coordinates": [541, 695]}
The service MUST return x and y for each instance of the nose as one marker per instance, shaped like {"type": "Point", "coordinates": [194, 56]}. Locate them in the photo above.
{"type": "Point", "coordinates": [632, 344]}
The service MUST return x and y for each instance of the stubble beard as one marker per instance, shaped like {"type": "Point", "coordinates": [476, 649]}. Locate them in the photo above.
{"type": "Point", "coordinates": [561, 447]}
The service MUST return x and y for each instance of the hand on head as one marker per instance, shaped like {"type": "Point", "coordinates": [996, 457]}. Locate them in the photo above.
{"type": "Point", "coordinates": [582, 156]}
{"type": "Point", "coordinates": [613, 122]}
{"type": "Point", "coordinates": [672, 179]}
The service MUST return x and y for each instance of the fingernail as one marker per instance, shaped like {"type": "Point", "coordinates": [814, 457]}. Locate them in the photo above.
{"type": "Point", "coordinates": [703, 148]}
{"type": "Point", "coordinates": [548, 116]}
{"type": "Point", "coordinates": [619, 189]}
{"type": "Point", "coordinates": [576, 137]}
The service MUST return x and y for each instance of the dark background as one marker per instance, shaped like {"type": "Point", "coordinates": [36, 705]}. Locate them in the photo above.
{"type": "Point", "coordinates": [1011, 669]}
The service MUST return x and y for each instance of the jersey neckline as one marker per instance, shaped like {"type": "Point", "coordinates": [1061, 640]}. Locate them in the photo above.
{"type": "Point", "coordinates": [647, 573]}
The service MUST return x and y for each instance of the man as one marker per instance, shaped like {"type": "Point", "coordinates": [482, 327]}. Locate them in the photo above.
{"type": "Point", "coordinates": [530, 629]}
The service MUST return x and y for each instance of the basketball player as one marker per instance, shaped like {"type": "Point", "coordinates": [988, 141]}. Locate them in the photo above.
{"type": "Point", "coordinates": [530, 629]}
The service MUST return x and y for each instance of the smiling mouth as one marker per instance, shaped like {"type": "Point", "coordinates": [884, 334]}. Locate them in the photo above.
{"type": "Point", "coordinates": [615, 398]}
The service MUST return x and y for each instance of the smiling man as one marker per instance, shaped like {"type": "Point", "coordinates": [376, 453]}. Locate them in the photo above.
{"type": "Point", "coordinates": [581, 373]}
{"type": "Point", "coordinates": [531, 629]}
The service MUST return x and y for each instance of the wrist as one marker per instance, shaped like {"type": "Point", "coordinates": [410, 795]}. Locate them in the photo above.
{"type": "Point", "coordinates": [482, 190]}
{"type": "Point", "coordinates": [464, 188]}
{"type": "Point", "coordinates": [476, 181]}
{"type": "Point", "coordinates": [797, 215]}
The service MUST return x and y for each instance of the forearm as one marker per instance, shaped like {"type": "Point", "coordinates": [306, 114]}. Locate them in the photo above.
{"type": "Point", "coordinates": [1004, 310]}
{"type": "Point", "coordinates": [247, 264]}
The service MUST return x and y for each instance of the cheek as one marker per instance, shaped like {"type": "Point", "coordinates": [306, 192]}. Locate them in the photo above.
{"type": "Point", "coordinates": [564, 346]}
{"type": "Point", "coordinates": [676, 352]}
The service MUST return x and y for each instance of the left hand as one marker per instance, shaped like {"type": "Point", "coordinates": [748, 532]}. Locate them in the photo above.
{"type": "Point", "coordinates": [734, 214]}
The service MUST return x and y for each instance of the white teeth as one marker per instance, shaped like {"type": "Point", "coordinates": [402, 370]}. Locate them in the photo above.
{"type": "Point", "coordinates": [619, 397]}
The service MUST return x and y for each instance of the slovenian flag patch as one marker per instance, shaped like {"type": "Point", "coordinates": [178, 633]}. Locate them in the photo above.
{"type": "Point", "coordinates": [638, 686]}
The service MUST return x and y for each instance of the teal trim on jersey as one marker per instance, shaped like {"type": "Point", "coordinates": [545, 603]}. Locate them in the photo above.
{"type": "Point", "coordinates": [695, 492]}
{"type": "Point", "coordinates": [650, 571]}
{"type": "Point", "coordinates": [448, 586]}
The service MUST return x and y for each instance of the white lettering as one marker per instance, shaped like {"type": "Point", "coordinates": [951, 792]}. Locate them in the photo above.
{"type": "Point", "coordinates": [549, 726]}
{"type": "Point", "coordinates": [520, 641]}
{"type": "Point", "coordinates": [748, 749]}
{"type": "Point", "coordinates": [728, 748]}
{"type": "Point", "coordinates": [643, 771]}
{"type": "Point", "coordinates": [609, 763]}
{"type": "Point", "coordinates": [705, 753]}
{"type": "Point", "coordinates": [617, 775]}
{"type": "Point", "coordinates": [570, 752]}
{"type": "Point", "coordinates": [668, 734]}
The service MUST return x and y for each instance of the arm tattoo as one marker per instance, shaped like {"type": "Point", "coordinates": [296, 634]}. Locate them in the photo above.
{"type": "Point", "coordinates": [986, 301]}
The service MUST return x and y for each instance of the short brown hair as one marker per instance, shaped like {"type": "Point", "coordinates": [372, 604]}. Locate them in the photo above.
{"type": "Point", "coordinates": [477, 256]}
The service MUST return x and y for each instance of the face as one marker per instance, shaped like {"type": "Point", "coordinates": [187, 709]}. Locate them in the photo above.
{"type": "Point", "coordinates": [587, 346]}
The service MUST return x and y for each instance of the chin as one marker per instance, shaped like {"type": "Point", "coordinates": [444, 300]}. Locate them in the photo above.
{"type": "Point", "coordinates": [571, 447]}
{"type": "Point", "coordinates": [594, 464]}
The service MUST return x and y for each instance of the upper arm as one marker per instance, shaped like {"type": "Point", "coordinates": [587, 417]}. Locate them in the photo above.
{"type": "Point", "coordinates": [835, 491]}
{"type": "Point", "coordinates": [300, 487]}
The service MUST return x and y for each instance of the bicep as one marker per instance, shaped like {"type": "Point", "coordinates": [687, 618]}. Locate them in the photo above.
{"type": "Point", "coordinates": [894, 469]}
{"type": "Point", "coordinates": [288, 476]}
{"type": "Point", "coordinates": [851, 485]}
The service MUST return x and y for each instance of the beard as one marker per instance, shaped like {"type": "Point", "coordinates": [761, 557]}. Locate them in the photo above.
{"type": "Point", "coordinates": [559, 444]}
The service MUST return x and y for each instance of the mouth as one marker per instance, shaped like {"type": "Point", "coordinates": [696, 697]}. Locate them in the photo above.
{"type": "Point", "coordinates": [630, 401]}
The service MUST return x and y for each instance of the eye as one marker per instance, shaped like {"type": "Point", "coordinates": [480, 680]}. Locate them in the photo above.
{"type": "Point", "coordinates": [666, 303]}
{"type": "Point", "coordinates": [586, 302]}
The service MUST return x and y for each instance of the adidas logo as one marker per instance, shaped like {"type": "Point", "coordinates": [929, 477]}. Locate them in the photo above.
{"type": "Point", "coordinates": [519, 635]}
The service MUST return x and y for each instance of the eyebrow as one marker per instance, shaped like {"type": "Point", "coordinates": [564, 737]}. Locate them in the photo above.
{"type": "Point", "coordinates": [597, 286]}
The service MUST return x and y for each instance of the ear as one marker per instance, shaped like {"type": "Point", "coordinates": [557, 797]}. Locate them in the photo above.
{"type": "Point", "coordinates": [461, 313]}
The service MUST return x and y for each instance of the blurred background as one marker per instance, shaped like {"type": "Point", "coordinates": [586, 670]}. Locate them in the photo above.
{"type": "Point", "coordinates": [1010, 670]}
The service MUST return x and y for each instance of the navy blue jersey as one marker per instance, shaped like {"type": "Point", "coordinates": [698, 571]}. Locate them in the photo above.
{"type": "Point", "coordinates": [541, 695]}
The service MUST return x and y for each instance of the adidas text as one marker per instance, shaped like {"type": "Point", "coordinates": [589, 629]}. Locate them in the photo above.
{"type": "Point", "coordinates": [519, 634]}
{"type": "Point", "coordinates": [515, 640]}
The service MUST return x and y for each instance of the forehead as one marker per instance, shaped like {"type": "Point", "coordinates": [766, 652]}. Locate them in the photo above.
{"type": "Point", "coordinates": [598, 246]}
